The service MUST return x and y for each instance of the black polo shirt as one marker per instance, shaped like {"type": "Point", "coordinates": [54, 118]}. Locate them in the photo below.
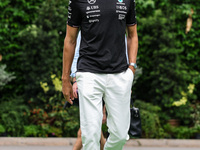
{"type": "Point", "coordinates": [103, 24]}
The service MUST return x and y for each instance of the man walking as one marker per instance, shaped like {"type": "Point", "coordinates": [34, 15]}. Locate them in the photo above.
{"type": "Point", "coordinates": [102, 69]}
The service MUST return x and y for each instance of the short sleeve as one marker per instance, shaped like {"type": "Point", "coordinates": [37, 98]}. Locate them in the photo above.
{"type": "Point", "coordinates": [74, 15]}
{"type": "Point", "coordinates": [131, 15]}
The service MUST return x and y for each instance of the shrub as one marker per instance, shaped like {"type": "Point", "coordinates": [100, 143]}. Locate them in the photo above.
{"type": "Point", "coordinates": [196, 116]}
{"type": "Point", "coordinates": [32, 131]}
{"type": "Point", "coordinates": [2, 129]}
{"type": "Point", "coordinates": [14, 116]}
{"type": "Point", "coordinates": [151, 126]}
{"type": "Point", "coordinates": [53, 119]}
{"type": "Point", "coordinates": [181, 132]}
{"type": "Point", "coordinates": [5, 77]}
{"type": "Point", "coordinates": [42, 46]}
{"type": "Point", "coordinates": [15, 16]}
{"type": "Point", "coordinates": [44, 130]}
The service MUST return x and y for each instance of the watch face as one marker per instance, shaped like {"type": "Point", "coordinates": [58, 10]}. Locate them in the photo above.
{"type": "Point", "coordinates": [134, 65]}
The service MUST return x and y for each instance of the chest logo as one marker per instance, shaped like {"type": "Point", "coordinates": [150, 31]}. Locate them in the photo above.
{"type": "Point", "coordinates": [120, 1]}
{"type": "Point", "coordinates": [91, 1]}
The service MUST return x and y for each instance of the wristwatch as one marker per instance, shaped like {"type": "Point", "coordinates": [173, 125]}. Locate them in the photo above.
{"type": "Point", "coordinates": [134, 65]}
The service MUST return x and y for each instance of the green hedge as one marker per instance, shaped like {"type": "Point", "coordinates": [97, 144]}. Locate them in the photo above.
{"type": "Point", "coordinates": [31, 42]}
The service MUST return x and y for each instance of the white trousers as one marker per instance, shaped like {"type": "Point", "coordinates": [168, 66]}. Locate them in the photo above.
{"type": "Point", "coordinates": [115, 89]}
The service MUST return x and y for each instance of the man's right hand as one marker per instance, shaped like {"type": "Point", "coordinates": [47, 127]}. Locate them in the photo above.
{"type": "Point", "coordinates": [67, 91]}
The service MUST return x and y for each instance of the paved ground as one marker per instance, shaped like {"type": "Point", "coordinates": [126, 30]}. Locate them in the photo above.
{"type": "Point", "coordinates": [8, 143]}
{"type": "Point", "coordinates": [70, 148]}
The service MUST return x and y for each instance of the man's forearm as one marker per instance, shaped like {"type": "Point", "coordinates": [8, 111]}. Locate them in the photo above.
{"type": "Point", "coordinates": [132, 44]}
{"type": "Point", "coordinates": [68, 54]}
{"type": "Point", "coordinates": [132, 49]}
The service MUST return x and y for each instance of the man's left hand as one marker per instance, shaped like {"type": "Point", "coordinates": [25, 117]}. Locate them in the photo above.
{"type": "Point", "coordinates": [133, 69]}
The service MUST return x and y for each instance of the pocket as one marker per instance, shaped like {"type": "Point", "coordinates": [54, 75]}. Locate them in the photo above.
{"type": "Point", "coordinates": [130, 73]}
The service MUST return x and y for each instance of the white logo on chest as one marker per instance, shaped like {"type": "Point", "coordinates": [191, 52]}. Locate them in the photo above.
{"type": "Point", "coordinates": [91, 1]}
